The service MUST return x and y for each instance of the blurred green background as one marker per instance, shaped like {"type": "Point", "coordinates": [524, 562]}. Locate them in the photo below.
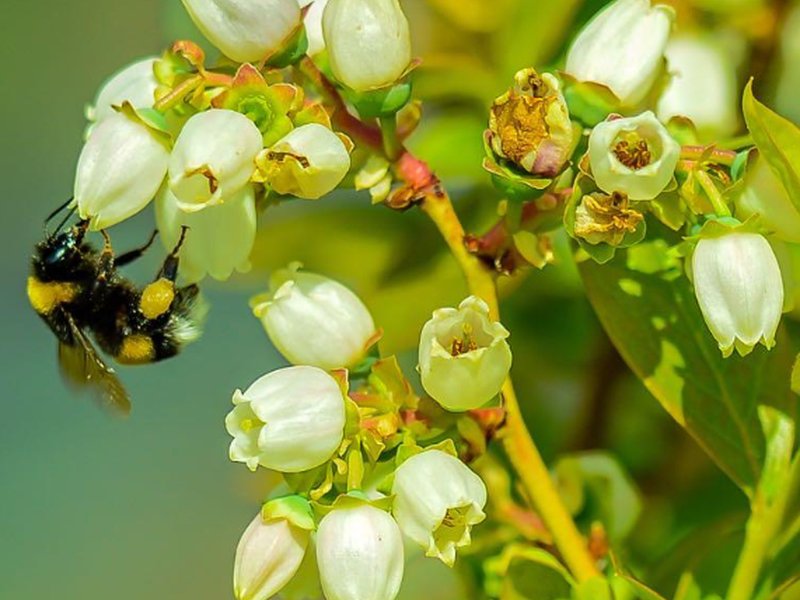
{"type": "Point", "coordinates": [150, 507]}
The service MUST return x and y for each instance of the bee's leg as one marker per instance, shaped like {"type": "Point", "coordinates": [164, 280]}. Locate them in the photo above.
{"type": "Point", "coordinates": [169, 270]}
{"type": "Point", "coordinates": [132, 255]}
{"type": "Point", "coordinates": [106, 256]}
{"type": "Point", "coordinates": [157, 297]}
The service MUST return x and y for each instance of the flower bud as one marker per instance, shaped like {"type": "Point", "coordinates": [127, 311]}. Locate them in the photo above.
{"type": "Point", "coordinates": [529, 125]}
{"type": "Point", "coordinates": [464, 357]}
{"type": "Point", "coordinates": [703, 86]}
{"type": "Point", "coordinates": [622, 48]}
{"type": "Point", "coordinates": [764, 194]}
{"type": "Point", "coordinates": [135, 84]}
{"type": "Point", "coordinates": [313, 320]}
{"type": "Point", "coordinates": [738, 285]}
{"type": "Point", "coordinates": [119, 170]}
{"type": "Point", "coordinates": [304, 413]}
{"type": "Point", "coordinates": [308, 162]}
{"type": "Point", "coordinates": [368, 42]}
{"type": "Point", "coordinates": [635, 156]}
{"type": "Point", "coordinates": [246, 30]}
{"type": "Point", "coordinates": [437, 501]}
{"type": "Point", "coordinates": [213, 158]}
{"type": "Point", "coordinates": [267, 557]}
{"type": "Point", "coordinates": [360, 554]}
{"type": "Point", "coordinates": [221, 236]}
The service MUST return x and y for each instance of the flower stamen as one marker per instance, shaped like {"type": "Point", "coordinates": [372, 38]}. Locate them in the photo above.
{"type": "Point", "coordinates": [633, 154]}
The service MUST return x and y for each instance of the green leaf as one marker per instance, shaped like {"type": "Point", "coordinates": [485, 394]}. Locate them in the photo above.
{"type": "Point", "coordinates": [527, 573]}
{"type": "Point", "coordinates": [654, 321]}
{"type": "Point", "coordinates": [778, 141]}
{"type": "Point", "coordinates": [534, 33]}
{"type": "Point", "coordinates": [608, 493]}
{"type": "Point", "coordinates": [626, 587]}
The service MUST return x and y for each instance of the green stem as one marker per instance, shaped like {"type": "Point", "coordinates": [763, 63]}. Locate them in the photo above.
{"type": "Point", "coordinates": [763, 526]}
{"type": "Point", "coordinates": [435, 202]}
{"type": "Point", "coordinates": [517, 441]}
{"type": "Point", "coordinates": [713, 193]}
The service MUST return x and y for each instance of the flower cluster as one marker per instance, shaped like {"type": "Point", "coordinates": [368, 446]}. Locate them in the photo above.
{"type": "Point", "coordinates": [642, 100]}
{"type": "Point", "coordinates": [345, 429]}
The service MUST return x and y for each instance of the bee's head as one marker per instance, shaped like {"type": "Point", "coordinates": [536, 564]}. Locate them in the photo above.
{"type": "Point", "coordinates": [58, 255]}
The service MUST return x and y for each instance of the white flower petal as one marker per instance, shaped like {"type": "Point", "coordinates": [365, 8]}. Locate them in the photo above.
{"type": "Point", "coordinates": [622, 47]}
{"type": "Point", "coordinates": [245, 30]}
{"type": "Point", "coordinates": [119, 170]}
{"type": "Point", "coordinates": [267, 557]}
{"type": "Point", "coordinates": [360, 554]}
{"type": "Point", "coordinates": [738, 286]}
{"type": "Point", "coordinates": [464, 357]}
{"type": "Point", "coordinates": [213, 158]}
{"type": "Point", "coordinates": [219, 239]}
{"type": "Point", "coordinates": [368, 42]}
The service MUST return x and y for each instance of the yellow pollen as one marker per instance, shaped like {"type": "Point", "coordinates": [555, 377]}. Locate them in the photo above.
{"type": "Point", "coordinates": [136, 349]}
{"type": "Point", "coordinates": [157, 298]}
{"type": "Point", "coordinates": [466, 343]}
{"type": "Point", "coordinates": [44, 297]}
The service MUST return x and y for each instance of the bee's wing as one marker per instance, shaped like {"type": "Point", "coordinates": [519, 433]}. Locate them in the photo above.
{"type": "Point", "coordinates": [84, 370]}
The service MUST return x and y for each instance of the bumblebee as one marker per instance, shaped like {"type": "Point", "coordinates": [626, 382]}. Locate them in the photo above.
{"type": "Point", "coordinates": [78, 291]}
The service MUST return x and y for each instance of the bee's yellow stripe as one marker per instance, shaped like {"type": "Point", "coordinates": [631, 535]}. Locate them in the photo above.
{"type": "Point", "coordinates": [45, 296]}
{"type": "Point", "coordinates": [136, 349]}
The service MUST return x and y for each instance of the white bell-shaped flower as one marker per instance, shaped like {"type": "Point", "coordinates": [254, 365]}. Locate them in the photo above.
{"type": "Point", "coordinates": [308, 162]}
{"type": "Point", "coordinates": [246, 30]}
{"type": "Point", "coordinates": [313, 23]}
{"type": "Point", "coordinates": [360, 554]}
{"type": "Point", "coordinates": [703, 86]}
{"type": "Point", "coordinates": [368, 42]}
{"type": "Point", "coordinates": [437, 500]}
{"type": "Point", "coordinates": [738, 285]}
{"type": "Point", "coordinates": [290, 420]}
{"type": "Point", "coordinates": [135, 84]}
{"type": "Point", "coordinates": [213, 158]}
{"type": "Point", "coordinates": [464, 357]}
{"type": "Point", "coordinates": [119, 170]}
{"type": "Point", "coordinates": [314, 320]}
{"type": "Point", "coordinates": [635, 156]}
{"type": "Point", "coordinates": [267, 557]}
{"type": "Point", "coordinates": [220, 237]}
{"type": "Point", "coordinates": [622, 47]}
{"type": "Point", "coordinates": [764, 195]}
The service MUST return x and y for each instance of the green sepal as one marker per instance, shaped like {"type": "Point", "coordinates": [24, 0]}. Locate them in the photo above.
{"type": "Point", "coordinates": [514, 183]}
{"type": "Point", "coordinates": [152, 119]}
{"type": "Point", "coordinates": [295, 49]}
{"type": "Point", "coordinates": [295, 509]}
{"type": "Point", "coordinates": [589, 102]}
{"type": "Point", "coordinates": [716, 226]}
{"type": "Point", "coordinates": [742, 162]}
{"type": "Point", "coordinates": [382, 102]}
{"type": "Point", "coordinates": [683, 131]}
{"type": "Point", "coordinates": [352, 499]}
{"type": "Point", "coordinates": [669, 208]}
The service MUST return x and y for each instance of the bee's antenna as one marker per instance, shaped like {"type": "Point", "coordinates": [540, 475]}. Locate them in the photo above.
{"type": "Point", "coordinates": [54, 213]}
{"type": "Point", "coordinates": [184, 229]}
